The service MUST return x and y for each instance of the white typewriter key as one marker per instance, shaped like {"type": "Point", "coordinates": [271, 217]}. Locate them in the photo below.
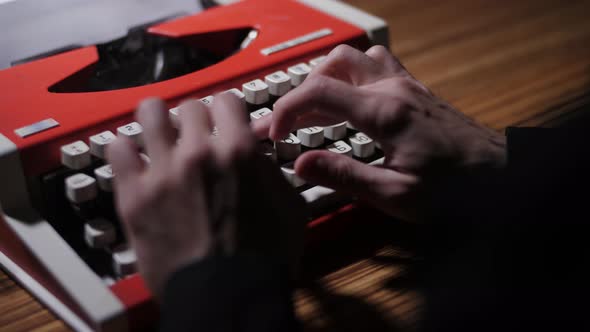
{"type": "Point", "coordinates": [75, 155]}
{"type": "Point", "coordinates": [315, 62]}
{"type": "Point", "coordinates": [207, 100]}
{"type": "Point", "coordinates": [362, 145]}
{"type": "Point", "coordinates": [298, 73]}
{"type": "Point", "coordinates": [279, 83]}
{"type": "Point", "coordinates": [289, 174]}
{"type": "Point", "coordinates": [236, 93]}
{"type": "Point", "coordinates": [256, 92]}
{"type": "Point", "coordinates": [99, 142]}
{"type": "Point", "coordinates": [124, 261]}
{"type": "Point", "coordinates": [311, 137]}
{"type": "Point", "coordinates": [350, 126]}
{"type": "Point", "coordinates": [335, 132]}
{"type": "Point", "coordinates": [80, 188]}
{"type": "Point", "coordinates": [289, 148]}
{"type": "Point", "coordinates": [104, 176]}
{"type": "Point", "coordinates": [132, 130]}
{"type": "Point", "coordinates": [340, 147]}
{"type": "Point", "coordinates": [259, 114]}
{"type": "Point", "coordinates": [99, 233]}
{"type": "Point", "coordinates": [265, 148]}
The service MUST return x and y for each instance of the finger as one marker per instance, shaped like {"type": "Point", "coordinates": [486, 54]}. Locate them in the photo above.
{"type": "Point", "coordinates": [127, 166]}
{"type": "Point", "coordinates": [325, 95]}
{"type": "Point", "coordinates": [347, 175]}
{"type": "Point", "coordinates": [351, 65]}
{"type": "Point", "coordinates": [195, 125]}
{"type": "Point", "coordinates": [234, 131]}
{"type": "Point", "coordinates": [388, 61]}
{"type": "Point", "coordinates": [261, 127]}
{"type": "Point", "coordinates": [158, 131]}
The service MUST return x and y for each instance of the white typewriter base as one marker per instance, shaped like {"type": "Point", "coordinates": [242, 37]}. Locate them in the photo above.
{"type": "Point", "coordinates": [43, 295]}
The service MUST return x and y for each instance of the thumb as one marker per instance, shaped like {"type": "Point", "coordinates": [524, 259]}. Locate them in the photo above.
{"type": "Point", "coordinates": [344, 174]}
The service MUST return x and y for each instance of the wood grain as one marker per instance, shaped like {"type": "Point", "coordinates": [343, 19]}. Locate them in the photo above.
{"type": "Point", "coordinates": [502, 62]}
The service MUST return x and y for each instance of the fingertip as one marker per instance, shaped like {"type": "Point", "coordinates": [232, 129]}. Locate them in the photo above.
{"type": "Point", "coordinates": [150, 103]}
{"type": "Point", "coordinates": [272, 133]}
{"type": "Point", "coordinates": [272, 130]}
{"type": "Point", "coordinates": [148, 107]}
{"type": "Point", "coordinates": [281, 111]}
{"type": "Point", "coordinates": [261, 127]}
{"type": "Point", "coordinates": [312, 164]}
{"type": "Point", "coordinates": [152, 115]}
{"type": "Point", "coordinates": [278, 128]}
{"type": "Point", "coordinates": [278, 135]}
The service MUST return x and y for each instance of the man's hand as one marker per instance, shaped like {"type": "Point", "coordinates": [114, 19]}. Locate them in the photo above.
{"type": "Point", "coordinates": [422, 136]}
{"type": "Point", "coordinates": [203, 194]}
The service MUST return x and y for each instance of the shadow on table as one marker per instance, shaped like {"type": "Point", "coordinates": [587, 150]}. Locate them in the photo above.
{"type": "Point", "coordinates": [361, 243]}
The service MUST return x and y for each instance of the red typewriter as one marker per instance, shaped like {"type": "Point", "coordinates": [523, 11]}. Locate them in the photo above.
{"type": "Point", "coordinates": [59, 234]}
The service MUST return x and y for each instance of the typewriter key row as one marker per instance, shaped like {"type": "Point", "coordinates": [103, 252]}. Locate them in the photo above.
{"type": "Point", "coordinates": [77, 155]}
{"type": "Point", "coordinates": [259, 92]}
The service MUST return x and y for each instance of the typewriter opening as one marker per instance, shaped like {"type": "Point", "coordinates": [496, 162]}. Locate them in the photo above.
{"type": "Point", "coordinates": [142, 58]}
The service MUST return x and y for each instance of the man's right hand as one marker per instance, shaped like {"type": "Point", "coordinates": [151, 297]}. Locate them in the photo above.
{"type": "Point", "coordinates": [422, 136]}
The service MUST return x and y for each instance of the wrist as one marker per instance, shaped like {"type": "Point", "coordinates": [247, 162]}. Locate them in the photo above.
{"type": "Point", "coordinates": [487, 153]}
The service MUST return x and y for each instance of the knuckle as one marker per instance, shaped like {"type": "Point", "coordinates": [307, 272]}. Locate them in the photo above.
{"type": "Point", "coordinates": [399, 108]}
{"type": "Point", "coordinates": [389, 116]}
{"type": "Point", "coordinates": [318, 85]}
{"type": "Point", "coordinates": [403, 86]}
{"type": "Point", "coordinates": [341, 51]}
{"type": "Point", "coordinates": [379, 50]}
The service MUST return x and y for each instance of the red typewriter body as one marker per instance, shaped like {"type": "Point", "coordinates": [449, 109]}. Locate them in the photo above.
{"type": "Point", "coordinates": [29, 248]}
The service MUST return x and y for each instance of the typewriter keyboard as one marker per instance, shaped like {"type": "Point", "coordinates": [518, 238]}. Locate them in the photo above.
{"type": "Point", "coordinates": [77, 199]}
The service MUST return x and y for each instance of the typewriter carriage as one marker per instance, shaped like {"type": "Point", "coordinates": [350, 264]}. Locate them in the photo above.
{"type": "Point", "coordinates": [143, 58]}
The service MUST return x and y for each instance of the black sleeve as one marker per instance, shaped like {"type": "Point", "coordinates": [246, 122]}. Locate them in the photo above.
{"type": "Point", "coordinates": [519, 258]}
{"type": "Point", "coordinates": [228, 294]}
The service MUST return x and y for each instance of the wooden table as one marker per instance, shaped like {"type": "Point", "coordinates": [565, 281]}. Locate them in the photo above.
{"type": "Point", "coordinates": [502, 62]}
